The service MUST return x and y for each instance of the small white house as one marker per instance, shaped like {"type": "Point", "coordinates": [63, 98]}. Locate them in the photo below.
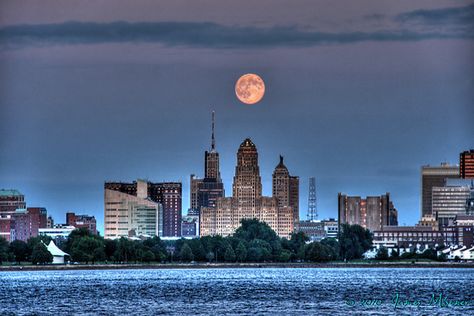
{"type": "Point", "coordinates": [58, 254]}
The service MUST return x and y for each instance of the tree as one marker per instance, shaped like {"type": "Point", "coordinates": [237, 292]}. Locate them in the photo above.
{"type": "Point", "coordinates": [186, 254]}
{"type": "Point", "coordinates": [333, 247]}
{"type": "Point", "coordinates": [382, 254]}
{"type": "Point", "coordinates": [354, 240]}
{"type": "Point", "coordinates": [147, 256]}
{"type": "Point", "coordinates": [254, 254]}
{"type": "Point", "coordinates": [395, 254]}
{"type": "Point", "coordinates": [41, 255]}
{"type": "Point", "coordinates": [317, 252]}
{"type": "Point", "coordinates": [4, 250]}
{"type": "Point", "coordinates": [241, 252]}
{"type": "Point", "coordinates": [229, 254]}
{"type": "Point", "coordinates": [210, 256]}
{"type": "Point", "coordinates": [87, 249]}
{"type": "Point", "coordinates": [20, 251]}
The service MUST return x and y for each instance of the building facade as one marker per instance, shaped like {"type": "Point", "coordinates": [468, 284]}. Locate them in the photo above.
{"type": "Point", "coordinates": [27, 222]}
{"type": "Point", "coordinates": [286, 189]}
{"type": "Point", "coordinates": [10, 201]}
{"type": "Point", "coordinates": [373, 212]}
{"type": "Point", "coordinates": [434, 176]}
{"type": "Point", "coordinates": [82, 221]}
{"type": "Point", "coordinates": [466, 164]}
{"type": "Point", "coordinates": [449, 202]}
{"type": "Point", "coordinates": [168, 194]}
{"type": "Point", "coordinates": [247, 201]}
{"type": "Point", "coordinates": [128, 214]}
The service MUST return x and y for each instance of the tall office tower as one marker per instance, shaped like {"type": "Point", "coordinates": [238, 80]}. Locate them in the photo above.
{"type": "Point", "coordinates": [205, 192]}
{"type": "Point", "coordinates": [169, 194]}
{"type": "Point", "coordinates": [286, 189]}
{"type": "Point", "coordinates": [466, 164]}
{"type": "Point", "coordinates": [312, 202]}
{"type": "Point", "coordinates": [434, 177]}
{"type": "Point", "coordinates": [129, 211]}
{"type": "Point", "coordinates": [211, 158]}
{"type": "Point", "coordinates": [82, 221]}
{"type": "Point", "coordinates": [246, 201]}
{"type": "Point", "coordinates": [373, 212]}
{"type": "Point", "coordinates": [448, 202]}
{"type": "Point", "coordinates": [247, 186]}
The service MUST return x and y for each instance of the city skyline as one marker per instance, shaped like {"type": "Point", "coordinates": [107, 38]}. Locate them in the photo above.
{"type": "Point", "coordinates": [359, 95]}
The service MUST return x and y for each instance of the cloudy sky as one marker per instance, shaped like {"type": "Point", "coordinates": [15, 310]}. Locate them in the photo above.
{"type": "Point", "coordinates": [359, 94]}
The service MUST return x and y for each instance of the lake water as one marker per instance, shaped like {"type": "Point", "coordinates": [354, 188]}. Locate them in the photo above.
{"type": "Point", "coordinates": [238, 292]}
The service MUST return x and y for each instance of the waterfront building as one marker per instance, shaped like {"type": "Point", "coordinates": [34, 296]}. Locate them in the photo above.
{"type": "Point", "coordinates": [429, 221]}
{"type": "Point", "coordinates": [82, 221]}
{"type": "Point", "coordinates": [57, 232]}
{"type": "Point", "coordinates": [434, 176]}
{"type": "Point", "coordinates": [246, 201]}
{"type": "Point", "coordinates": [449, 202]}
{"type": "Point", "coordinates": [331, 228]}
{"type": "Point", "coordinates": [466, 164]}
{"type": "Point", "coordinates": [27, 222]}
{"type": "Point", "coordinates": [285, 188]}
{"type": "Point", "coordinates": [167, 194]}
{"type": "Point", "coordinates": [408, 237]}
{"type": "Point", "coordinates": [189, 226]}
{"type": "Point", "coordinates": [131, 214]}
{"type": "Point", "coordinates": [313, 229]}
{"type": "Point", "coordinates": [373, 212]}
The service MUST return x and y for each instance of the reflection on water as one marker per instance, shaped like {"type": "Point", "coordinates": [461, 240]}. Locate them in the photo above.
{"type": "Point", "coordinates": [236, 291]}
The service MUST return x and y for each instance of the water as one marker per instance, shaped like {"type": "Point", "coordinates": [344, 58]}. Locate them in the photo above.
{"type": "Point", "coordinates": [233, 291]}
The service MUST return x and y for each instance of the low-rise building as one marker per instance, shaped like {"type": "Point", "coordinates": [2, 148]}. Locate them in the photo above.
{"type": "Point", "coordinates": [58, 231]}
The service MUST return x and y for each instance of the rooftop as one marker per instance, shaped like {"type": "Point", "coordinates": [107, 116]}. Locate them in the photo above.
{"type": "Point", "coordinates": [10, 192]}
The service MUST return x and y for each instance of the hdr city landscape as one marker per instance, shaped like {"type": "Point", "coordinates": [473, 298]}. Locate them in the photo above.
{"type": "Point", "coordinates": [142, 210]}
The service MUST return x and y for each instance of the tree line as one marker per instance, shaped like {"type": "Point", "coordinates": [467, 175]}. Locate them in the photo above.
{"type": "Point", "coordinates": [253, 241]}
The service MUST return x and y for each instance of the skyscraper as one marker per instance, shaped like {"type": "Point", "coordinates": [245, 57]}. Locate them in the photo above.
{"type": "Point", "coordinates": [167, 194]}
{"type": "Point", "coordinates": [373, 212]}
{"type": "Point", "coordinates": [448, 202]}
{"type": "Point", "coordinates": [246, 201]}
{"type": "Point", "coordinates": [286, 189]}
{"type": "Point", "coordinates": [466, 164]}
{"type": "Point", "coordinates": [434, 177]}
{"type": "Point", "coordinates": [205, 192]}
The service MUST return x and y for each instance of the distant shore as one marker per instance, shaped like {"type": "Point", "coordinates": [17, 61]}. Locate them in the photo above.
{"type": "Point", "coordinates": [237, 265]}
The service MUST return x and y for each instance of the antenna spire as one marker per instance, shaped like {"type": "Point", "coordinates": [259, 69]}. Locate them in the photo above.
{"type": "Point", "coordinates": [213, 142]}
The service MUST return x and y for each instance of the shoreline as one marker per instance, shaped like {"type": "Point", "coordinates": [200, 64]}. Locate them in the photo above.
{"type": "Point", "coordinates": [338, 265]}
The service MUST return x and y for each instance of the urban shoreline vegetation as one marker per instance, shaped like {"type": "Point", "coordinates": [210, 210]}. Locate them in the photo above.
{"type": "Point", "coordinates": [253, 244]}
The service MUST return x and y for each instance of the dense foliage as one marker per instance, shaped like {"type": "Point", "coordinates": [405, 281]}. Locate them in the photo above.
{"type": "Point", "coordinates": [253, 241]}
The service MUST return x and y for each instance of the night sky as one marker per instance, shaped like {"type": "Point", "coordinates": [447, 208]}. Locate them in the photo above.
{"type": "Point", "coordinates": [359, 94]}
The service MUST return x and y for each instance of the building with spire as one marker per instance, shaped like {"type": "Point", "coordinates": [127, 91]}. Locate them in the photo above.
{"type": "Point", "coordinates": [247, 200]}
{"type": "Point", "coordinates": [205, 191]}
{"type": "Point", "coordinates": [285, 188]}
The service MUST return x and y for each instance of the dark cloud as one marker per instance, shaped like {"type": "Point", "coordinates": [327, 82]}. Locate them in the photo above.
{"type": "Point", "coordinates": [191, 34]}
{"type": "Point", "coordinates": [444, 16]}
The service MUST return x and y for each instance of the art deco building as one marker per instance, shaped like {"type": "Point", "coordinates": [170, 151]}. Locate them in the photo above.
{"type": "Point", "coordinates": [434, 177]}
{"type": "Point", "coordinates": [286, 189]}
{"type": "Point", "coordinates": [156, 206]}
{"type": "Point", "coordinates": [205, 192]}
{"type": "Point", "coordinates": [373, 212]}
{"type": "Point", "coordinates": [466, 164]}
{"type": "Point", "coordinates": [246, 201]}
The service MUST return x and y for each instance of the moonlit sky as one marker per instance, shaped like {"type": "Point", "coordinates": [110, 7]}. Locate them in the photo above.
{"type": "Point", "coordinates": [359, 94]}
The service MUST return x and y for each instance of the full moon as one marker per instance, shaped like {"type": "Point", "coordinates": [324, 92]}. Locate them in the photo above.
{"type": "Point", "coordinates": [250, 88]}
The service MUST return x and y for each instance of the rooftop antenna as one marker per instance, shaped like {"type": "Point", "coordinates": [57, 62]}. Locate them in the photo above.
{"type": "Point", "coordinates": [312, 210]}
{"type": "Point", "coordinates": [213, 142]}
